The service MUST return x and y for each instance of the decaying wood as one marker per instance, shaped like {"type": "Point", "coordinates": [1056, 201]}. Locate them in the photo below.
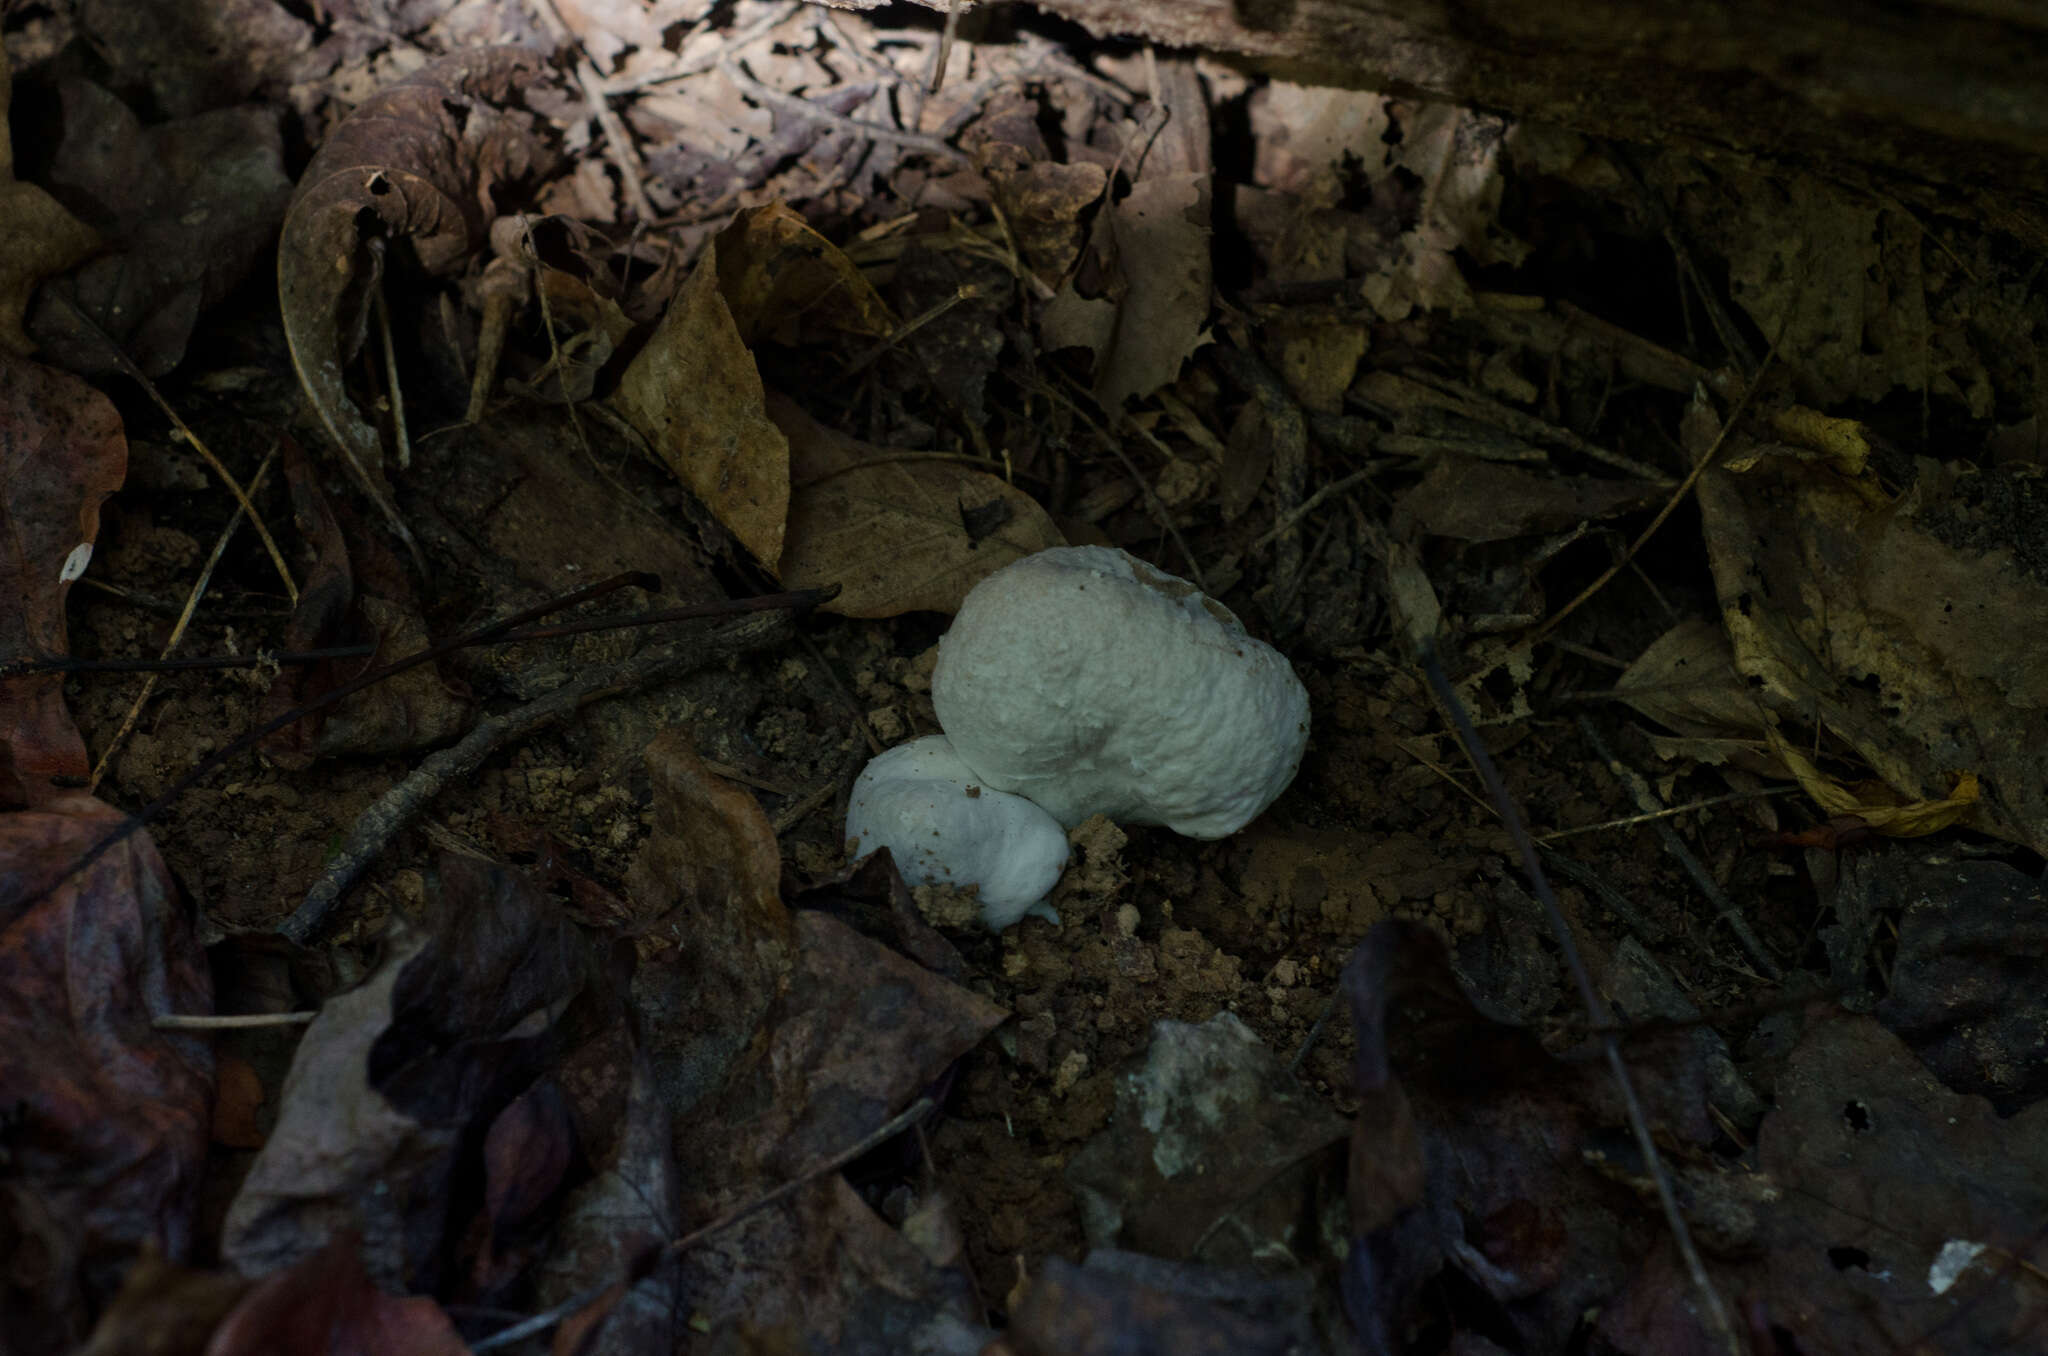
{"type": "Point", "coordinates": [1947, 93]}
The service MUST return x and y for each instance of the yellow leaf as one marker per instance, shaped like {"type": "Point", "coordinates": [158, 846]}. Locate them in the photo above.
{"type": "Point", "coordinates": [1874, 803]}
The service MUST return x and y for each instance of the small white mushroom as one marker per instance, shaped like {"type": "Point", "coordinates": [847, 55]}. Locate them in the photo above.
{"type": "Point", "coordinates": [1092, 683]}
{"type": "Point", "coordinates": [941, 825]}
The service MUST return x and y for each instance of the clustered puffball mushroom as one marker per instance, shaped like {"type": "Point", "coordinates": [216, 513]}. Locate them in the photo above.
{"type": "Point", "coordinates": [1092, 683]}
{"type": "Point", "coordinates": [942, 826]}
{"type": "Point", "coordinates": [1086, 682]}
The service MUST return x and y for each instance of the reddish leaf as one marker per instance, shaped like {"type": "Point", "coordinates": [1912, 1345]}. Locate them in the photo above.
{"type": "Point", "coordinates": [326, 1306]}
{"type": "Point", "coordinates": [61, 453]}
{"type": "Point", "coordinates": [106, 1116]}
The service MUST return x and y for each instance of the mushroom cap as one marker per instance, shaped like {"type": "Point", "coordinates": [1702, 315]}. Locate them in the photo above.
{"type": "Point", "coordinates": [1093, 683]}
{"type": "Point", "coordinates": [942, 826]}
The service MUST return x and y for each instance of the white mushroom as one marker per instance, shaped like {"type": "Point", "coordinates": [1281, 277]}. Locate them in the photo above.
{"type": "Point", "coordinates": [941, 825]}
{"type": "Point", "coordinates": [1092, 683]}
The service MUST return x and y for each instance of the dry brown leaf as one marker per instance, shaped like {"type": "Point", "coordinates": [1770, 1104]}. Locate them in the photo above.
{"type": "Point", "coordinates": [1878, 806]}
{"type": "Point", "coordinates": [189, 208]}
{"type": "Point", "coordinates": [1470, 499]}
{"type": "Point", "coordinates": [1870, 621]}
{"type": "Point", "coordinates": [715, 938]}
{"type": "Point", "coordinates": [779, 276]}
{"type": "Point", "coordinates": [37, 236]}
{"type": "Point", "coordinates": [1162, 251]}
{"type": "Point", "coordinates": [694, 393]}
{"type": "Point", "coordinates": [416, 161]}
{"type": "Point", "coordinates": [895, 534]}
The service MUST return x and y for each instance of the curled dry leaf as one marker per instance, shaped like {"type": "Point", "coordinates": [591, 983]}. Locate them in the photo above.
{"type": "Point", "coordinates": [61, 453]}
{"type": "Point", "coordinates": [1891, 624]}
{"type": "Point", "coordinates": [897, 534]}
{"type": "Point", "coordinates": [695, 395]}
{"type": "Point", "coordinates": [417, 161]}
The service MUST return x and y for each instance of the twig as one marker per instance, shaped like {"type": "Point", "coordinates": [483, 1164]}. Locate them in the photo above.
{"type": "Point", "coordinates": [241, 1021]}
{"type": "Point", "coordinates": [1315, 501]}
{"type": "Point", "coordinates": [541, 1322]}
{"type": "Point", "coordinates": [1714, 1309]}
{"type": "Point", "coordinates": [376, 827]}
{"type": "Point", "coordinates": [1290, 461]}
{"type": "Point", "coordinates": [697, 65]}
{"type": "Point", "coordinates": [178, 628]}
{"type": "Point", "coordinates": [260, 659]}
{"type": "Point", "coordinates": [127, 365]}
{"type": "Point", "coordinates": [944, 51]}
{"type": "Point", "coordinates": [1617, 903]}
{"type": "Point", "coordinates": [401, 436]}
{"type": "Point", "coordinates": [1667, 812]}
{"type": "Point", "coordinates": [618, 142]}
{"type": "Point", "coordinates": [1646, 799]}
{"type": "Point", "coordinates": [1678, 496]}
{"type": "Point", "coordinates": [803, 108]}
{"type": "Point", "coordinates": [1154, 505]}
{"type": "Point", "coordinates": [149, 813]}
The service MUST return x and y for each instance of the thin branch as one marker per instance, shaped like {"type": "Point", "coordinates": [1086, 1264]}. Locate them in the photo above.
{"type": "Point", "coordinates": [239, 1021]}
{"type": "Point", "coordinates": [1713, 1307]}
{"type": "Point", "coordinates": [377, 826]}
{"type": "Point", "coordinates": [178, 628]}
{"type": "Point", "coordinates": [127, 364]}
{"type": "Point", "coordinates": [547, 1319]}
{"type": "Point", "coordinates": [803, 108]}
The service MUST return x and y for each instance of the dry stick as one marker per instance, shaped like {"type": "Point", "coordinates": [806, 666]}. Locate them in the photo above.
{"type": "Point", "coordinates": [1645, 799]}
{"type": "Point", "coordinates": [127, 365]}
{"type": "Point", "coordinates": [683, 70]}
{"type": "Point", "coordinates": [249, 739]}
{"type": "Point", "coordinates": [1715, 1310]}
{"type": "Point", "coordinates": [1484, 407]}
{"type": "Point", "coordinates": [1678, 495]}
{"type": "Point", "coordinates": [192, 597]}
{"type": "Point", "coordinates": [1668, 812]}
{"type": "Point", "coordinates": [1291, 521]}
{"type": "Point", "coordinates": [236, 1021]}
{"type": "Point", "coordinates": [374, 830]}
{"type": "Point", "coordinates": [1154, 505]}
{"type": "Point", "coordinates": [618, 143]}
{"type": "Point", "coordinates": [1617, 903]}
{"type": "Point", "coordinates": [401, 436]}
{"type": "Point", "coordinates": [181, 664]}
{"type": "Point", "coordinates": [826, 28]}
{"type": "Point", "coordinates": [675, 1247]}
{"type": "Point", "coordinates": [802, 108]}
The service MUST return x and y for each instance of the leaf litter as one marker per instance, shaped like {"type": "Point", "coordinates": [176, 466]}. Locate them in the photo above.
{"type": "Point", "coordinates": [604, 1037]}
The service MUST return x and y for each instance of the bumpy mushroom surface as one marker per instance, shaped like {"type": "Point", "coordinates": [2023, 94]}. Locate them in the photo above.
{"type": "Point", "coordinates": [1092, 683]}
{"type": "Point", "coordinates": [942, 825]}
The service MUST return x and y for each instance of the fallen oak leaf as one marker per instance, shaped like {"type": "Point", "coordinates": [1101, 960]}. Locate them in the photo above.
{"type": "Point", "coordinates": [897, 533]}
